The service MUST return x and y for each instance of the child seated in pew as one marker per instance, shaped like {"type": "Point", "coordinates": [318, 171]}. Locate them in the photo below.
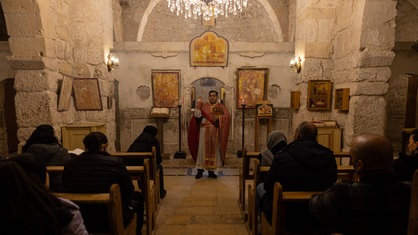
{"type": "Point", "coordinates": [144, 143]}
{"type": "Point", "coordinates": [94, 171]}
{"type": "Point", "coordinates": [26, 205]}
{"type": "Point", "coordinates": [377, 204]}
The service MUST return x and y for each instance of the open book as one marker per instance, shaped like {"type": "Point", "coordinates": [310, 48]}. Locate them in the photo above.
{"type": "Point", "coordinates": [159, 112]}
{"type": "Point", "coordinates": [76, 151]}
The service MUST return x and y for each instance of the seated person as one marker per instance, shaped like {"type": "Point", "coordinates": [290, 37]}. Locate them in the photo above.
{"type": "Point", "coordinates": [276, 141]}
{"type": "Point", "coordinates": [144, 143]}
{"type": "Point", "coordinates": [43, 142]}
{"type": "Point", "coordinates": [377, 204]}
{"type": "Point", "coordinates": [303, 165]}
{"type": "Point", "coordinates": [35, 210]}
{"type": "Point", "coordinates": [94, 171]}
{"type": "Point", "coordinates": [406, 164]}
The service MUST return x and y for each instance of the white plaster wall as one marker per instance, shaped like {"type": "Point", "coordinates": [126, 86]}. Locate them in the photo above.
{"type": "Point", "coordinates": [137, 61]}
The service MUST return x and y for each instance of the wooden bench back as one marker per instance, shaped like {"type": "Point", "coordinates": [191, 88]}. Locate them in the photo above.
{"type": "Point", "coordinates": [413, 207]}
{"type": "Point", "coordinates": [244, 174]}
{"type": "Point", "coordinates": [342, 157]}
{"type": "Point", "coordinates": [112, 201]}
{"type": "Point", "coordinates": [279, 199]}
{"type": "Point", "coordinates": [152, 156]}
{"type": "Point", "coordinates": [252, 221]}
{"type": "Point", "coordinates": [154, 174]}
{"type": "Point", "coordinates": [138, 173]}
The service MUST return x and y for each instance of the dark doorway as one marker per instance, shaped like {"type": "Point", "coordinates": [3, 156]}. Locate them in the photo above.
{"type": "Point", "coordinates": [10, 115]}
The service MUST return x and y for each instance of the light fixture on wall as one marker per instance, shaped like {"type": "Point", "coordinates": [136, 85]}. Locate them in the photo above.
{"type": "Point", "coordinates": [112, 61]}
{"type": "Point", "coordinates": [296, 64]}
{"type": "Point", "coordinates": [206, 8]}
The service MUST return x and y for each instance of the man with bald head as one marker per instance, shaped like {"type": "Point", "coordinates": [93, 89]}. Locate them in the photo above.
{"type": "Point", "coordinates": [303, 165]}
{"type": "Point", "coordinates": [376, 204]}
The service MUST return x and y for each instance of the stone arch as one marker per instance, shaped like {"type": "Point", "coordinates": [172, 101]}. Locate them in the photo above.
{"type": "Point", "coordinates": [268, 9]}
{"type": "Point", "coordinates": [201, 87]}
{"type": "Point", "coordinates": [374, 39]}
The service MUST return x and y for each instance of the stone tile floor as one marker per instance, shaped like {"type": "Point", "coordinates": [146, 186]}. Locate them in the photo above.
{"type": "Point", "coordinates": [200, 207]}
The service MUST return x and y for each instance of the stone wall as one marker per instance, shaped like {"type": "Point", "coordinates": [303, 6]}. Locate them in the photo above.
{"type": "Point", "coordinates": [348, 43]}
{"type": "Point", "coordinates": [50, 40]}
{"type": "Point", "coordinates": [5, 73]}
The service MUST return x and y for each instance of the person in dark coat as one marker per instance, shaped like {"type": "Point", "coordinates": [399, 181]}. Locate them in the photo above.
{"type": "Point", "coordinates": [43, 143]}
{"type": "Point", "coordinates": [303, 165]}
{"type": "Point", "coordinates": [144, 143]}
{"type": "Point", "coordinates": [94, 171]}
{"type": "Point", "coordinates": [377, 204]}
{"type": "Point", "coordinates": [406, 164]}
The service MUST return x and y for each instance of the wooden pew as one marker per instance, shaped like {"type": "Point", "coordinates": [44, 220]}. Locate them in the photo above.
{"type": "Point", "coordinates": [345, 172]}
{"type": "Point", "coordinates": [413, 207]}
{"type": "Point", "coordinates": [244, 175]}
{"type": "Point", "coordinates": [252, 221]}
{"type": "Point", "coordinates": [139, 173]}
{"type": "Point", "coordinates": [259, 173]}
{"type": "Point", "coordinates": [278, 215]}
{"type": "Point", "coordinates": [112, 201]}
{"type": "Point", "coordinates": [154, 171]}
{"type": "Point", "coordinates": [342, 157]}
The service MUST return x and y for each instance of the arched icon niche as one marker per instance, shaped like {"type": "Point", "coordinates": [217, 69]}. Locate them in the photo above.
{"type": "Point", "coordinates": [201, 87]}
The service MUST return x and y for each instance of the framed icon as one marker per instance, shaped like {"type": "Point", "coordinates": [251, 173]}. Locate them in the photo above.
{"type": "Point", "coordinates": [319, 95]}
{"type": "Point", "coordinates": [251, 86]}
{"type": "Point", "coordinates": [341, 99]}
{"type": "Point", "coordinates": [87, 94]}
{"type": "Point", "coordinates": [165, 88]}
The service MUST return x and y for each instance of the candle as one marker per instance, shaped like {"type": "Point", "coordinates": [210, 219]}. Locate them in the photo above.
{"type": "Point", "coordinates": [242, 101]}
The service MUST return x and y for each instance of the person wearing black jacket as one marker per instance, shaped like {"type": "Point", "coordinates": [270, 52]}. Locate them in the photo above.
{"type": "Point", "coordinates": [303, 165]}
{"type": "Point", "coordinates": [44, 144]}
{"type": "Point", "coordinates": [94, 171]}
{"type": "Point", "coordinates": [144, 143]}
{"type": "Point", "coordinates": [377, 203]}
{"type": "Point", "coordinates": [406, 164]}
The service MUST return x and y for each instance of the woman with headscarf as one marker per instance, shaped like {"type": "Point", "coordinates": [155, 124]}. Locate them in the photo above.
{"type": "Point", "coordinates": [44, 144]}
{"type": "Point", "coordinates": [276, 141]}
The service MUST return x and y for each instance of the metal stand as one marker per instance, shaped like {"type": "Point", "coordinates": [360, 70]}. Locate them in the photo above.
{"type": "Point", "coordinates": [240, 152]}
{"type": "Point", "coordinates": [180, 153]}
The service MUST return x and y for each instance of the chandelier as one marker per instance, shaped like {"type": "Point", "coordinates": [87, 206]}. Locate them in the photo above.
{"type": "Point", "coordinates": [206, 8]}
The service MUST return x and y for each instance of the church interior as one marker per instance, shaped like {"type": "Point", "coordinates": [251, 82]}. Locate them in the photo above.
{"type": "Point", "coordinates": [350, 66]}
{"type": "Point", "coordinates": [364, 50]}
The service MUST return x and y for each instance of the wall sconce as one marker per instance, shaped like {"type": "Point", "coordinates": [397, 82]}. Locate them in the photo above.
{"type": "Point", "coordinates": [296, 64]}
{"type": "Point", "coordinates": [112, 61]}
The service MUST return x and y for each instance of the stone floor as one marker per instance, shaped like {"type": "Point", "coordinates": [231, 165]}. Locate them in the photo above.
{"type": "Point", "coordinates": [200, 207]}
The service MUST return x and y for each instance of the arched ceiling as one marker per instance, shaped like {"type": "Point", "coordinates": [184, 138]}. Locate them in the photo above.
{"type": "Point", "coordinates": [257, 23]}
